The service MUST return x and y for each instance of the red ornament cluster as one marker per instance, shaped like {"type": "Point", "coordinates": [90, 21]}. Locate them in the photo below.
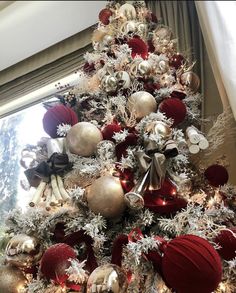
{"type": "Point", "coordinates": [216, 175]}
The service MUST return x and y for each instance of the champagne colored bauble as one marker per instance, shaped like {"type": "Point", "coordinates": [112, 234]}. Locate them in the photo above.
{"type": "Point", "coordinates": [106, 197]}
{"type": "Point", "coordinates": [123, 79]}
{"type": "Point", "coordinates": [23, 251]}
{"type": "Point", "coordinates": [12, 280]}
{"type": "Point", "coordinates": [142, 103]}
{"type": "Point", "coordinates": [107, 278]}
{"type": "Point", "coordinates": [128, 11]}
{"type": "Point", "coordinates": [190, 80]}
{"type": "Point", "coordinates": [82, 139]}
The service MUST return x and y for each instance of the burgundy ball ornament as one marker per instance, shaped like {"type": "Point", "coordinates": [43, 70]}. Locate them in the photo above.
{"type": "Point", "coordinates": [226, 239]}
{"type": "Point", "coordinates": [57, 115]}
{"type": "Point", "coordinates": [82, 139]}
{"type": "Point", "coordinates": [216, 175]}
{"type": "Point", "coordinates": [109, 130]}
{"type": "Point", "coordinates": [191, 264]}
{"type": "Point", "coordinates": [173, 108]}
{"type": "Point", "coordinates": [176, 61]}
{"type": "Point", "coordinates": [104, 16]}
{"type": "Point", "coordinates": [55, 261]}
{"type": "Point", "coordinates": [139, 47]}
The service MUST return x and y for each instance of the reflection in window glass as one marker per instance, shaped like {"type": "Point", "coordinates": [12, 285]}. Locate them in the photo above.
{"type": "Point", "coordinates": [16, 131]}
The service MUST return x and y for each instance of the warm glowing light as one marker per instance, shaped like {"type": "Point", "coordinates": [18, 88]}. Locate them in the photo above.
{"type": "Point", "coordinates": [164, 203]}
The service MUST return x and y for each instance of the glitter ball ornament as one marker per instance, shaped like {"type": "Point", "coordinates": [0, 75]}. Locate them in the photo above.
{"type": "Point", "coordinates": [107, 278]}
{"type": "Point", "coordinates": [12, 280]}
{"type": "Point", "coordinates": [216, 175]}
{"type": "Point", "coordinates": [109, 130]}
{"type": "Point", "coordinates": [191, 264]}
{"type": "Point", "coordinates": [138, 47]}
{"type": "Point", "coordinates": [226, 239]}
{"type": "Point", "coordinates": [142, 104]}
{"type": "Point", "coordinates": [106, 197]}
{"type": "Point", "coordinates": [82, 139]}
{"type": "Point", "coordinates": [57, 115]}
{"type": "Point", "coordinates": [173, 108]}
{"type": "Point", "coordinates": [176, 61]}
{"type": "Point", "coordinates": [190, 80]}
{"type": "Point", "coordinates": [23, 251]}
{"type": "Point", "coordinates": [55, 261]}
{"type": "Point", "coordinates": [104, 15]}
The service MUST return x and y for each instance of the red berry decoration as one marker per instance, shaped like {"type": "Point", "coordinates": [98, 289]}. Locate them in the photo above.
{"type": "Point", "coordinates": [176, 61]}
{"type": "Point", "coordinates": [55, 261]}
{"type": "Point", "coordinates": [109, 130]}
{"type": "Point", "coordinates": [104, 16]}
{"type": "Point", "coordinates": [216, 175]}
{"type": "Point", "coordinates": [164, 201]}
{"type": "Point", "coordinates": [139, 47]}
{"type": "Point", "coordinates": [173, 108]}
{"type": "Point", "coordinates": [57, 115]}
{"type": "Point", "coordinates": [191, 264]}
{"type": "Point", "coordinates": [227, 240]}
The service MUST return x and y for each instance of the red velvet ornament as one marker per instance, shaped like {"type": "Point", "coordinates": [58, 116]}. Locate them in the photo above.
{"type": "Point", "coordinates": [121, 148]}
{"type": "Point", "coordinates": [178, 95]}
{"type": "Point", "coordinates": [216, 175]}
{"type": "Point", "coordinates": [191, 264]}
{"type": "Point", "coordinates": [104, 16]}
{"type": "Point", "coordinates": [57, 115]}
{"type": "Point", "coordinates": [175, 109]}
{"type": "Point", "coordinates": [227, 240]}
{"type": "Point", "coordinates": [109, 130]}
{"type": "Point", "coordinates": [164, 201]}
{"type": "Point", "coordinates": [139, 47]}
{"type": "Point", "coordinates": [55, 261]}
{"type": "Point", "coordinates": [176, 61]}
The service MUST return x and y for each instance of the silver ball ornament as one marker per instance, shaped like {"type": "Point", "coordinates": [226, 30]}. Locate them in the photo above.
{"type": "Point", "coordinates": [107, 40]}
{"type": "Point", "coordinates": [144, 68]}
{"type": "Point", "coordinates": [82, 139]}
{"type": "Point", "coordinates": [142, 104]}
{"type": "Point", "coordinates": [123, 79]}
{"type": "Point", "coordinates": [107, 278]}
{"type": "Point", "coordinates": [23, 251]}
{"type": "Point", "coordinates": [106, 197]}
{"type": "Point", "coordinates": [109, 83]}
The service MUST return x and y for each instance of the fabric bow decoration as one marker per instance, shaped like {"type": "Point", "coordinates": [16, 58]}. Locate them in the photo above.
{"type": "Point", "coordinates": [57, 164]}
{"type": "Point", "coordinates": [154, 162]}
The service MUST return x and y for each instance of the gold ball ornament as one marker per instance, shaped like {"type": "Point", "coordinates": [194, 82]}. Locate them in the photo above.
{"type": "Point", "coordinates": [123, 79]}
{"type": "Point", "coordinates": [142, 104]}
{"type": "Point", "coordinates": [106, 197]}
{"type": "Point", "coordinates": [190, 80]}
{"type": "Point", "coordinates": [109, 83]}
{"type": "Point", "coordinates": [128, 11]}
{"type": "Point", "coordinates": [107, 278]}
{"type": "Point", "coordinates": [12, 280]}
{"type": "Point", "coordinates": [23, 251]}
{"type": "Point", "coordinates": [82, 139]}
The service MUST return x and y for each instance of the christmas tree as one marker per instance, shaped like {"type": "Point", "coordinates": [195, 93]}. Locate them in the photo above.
{"type": "Point", "coordinates": [121, 202]}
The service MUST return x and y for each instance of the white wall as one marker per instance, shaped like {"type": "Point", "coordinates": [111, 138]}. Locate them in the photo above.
{"type": "Point", "coordinates": [28, 27]}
